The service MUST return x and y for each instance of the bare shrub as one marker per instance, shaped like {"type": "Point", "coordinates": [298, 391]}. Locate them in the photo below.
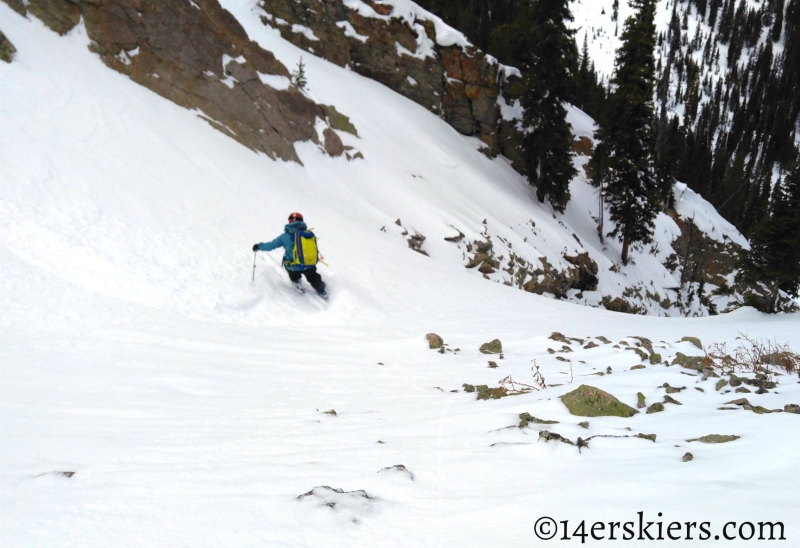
{"type": "Point", "coordinates": [514, 387]}
{"type": "Point", "coordinates": [538, 378]}
{"type": "Point", "coordinates": [753, 355]}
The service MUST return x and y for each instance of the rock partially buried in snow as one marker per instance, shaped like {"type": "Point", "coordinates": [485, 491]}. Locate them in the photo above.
{"type": "Point", "coordinates": [492, 347]}
{"type": "Point", "coordinates": [397, 469]}
{"type": "Point", "coordinates": [792, 408]}
{"type": "Point", "coordinates": [352, 503]}
{"type": "Point", "coordinates": [67, 474]}
{"type": "Point", "coordinates": [657, 407]}
{"type": "Point", "coordinates": [715, 438]}
{"type": "Point", "coordinates": [588, 401]}
{"type": "Point", "coordinates": [527, 418]}
{"type": "Point", "coordinates": [687, 457]}
{"type": "Point", "coordinates": [689, 362]}
{"type": "Point", "coordinates": [546, 435]}
{"type": "Point", "coordinates": [694, 340]}
{"type": "Point", "coordinates": [486, 393]}
{"type": "Point", "coordinates": [434, 341]}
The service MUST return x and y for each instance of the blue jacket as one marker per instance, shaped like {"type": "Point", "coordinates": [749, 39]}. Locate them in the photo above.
{"type": "Point", "coordinates": [286, 240]}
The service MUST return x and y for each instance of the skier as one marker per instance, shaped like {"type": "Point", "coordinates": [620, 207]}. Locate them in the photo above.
{"type": "Point", "coordinates": [296, 269]}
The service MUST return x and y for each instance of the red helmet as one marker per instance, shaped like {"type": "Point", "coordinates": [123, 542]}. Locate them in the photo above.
{"type": "Point", "coordinates": [295, 217]}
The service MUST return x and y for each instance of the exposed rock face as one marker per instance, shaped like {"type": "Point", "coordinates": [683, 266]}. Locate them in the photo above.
{"type": "Point", "coordinates": [582, 275]}
{"type": "Point", "coordinates": [197, 55]}
{"type": "Point", "coordinates": [59, 15]}
{"type": "Point", "coordinates": [702, 257]}
{"type": "Point", "coordinates": [618, 304]}
{"type": "Point", "coordinates": [7, 49]}
{"type": "Point", "coordinates": [706, 260]}
{"type": "Point", "coordinates": [460, 84]}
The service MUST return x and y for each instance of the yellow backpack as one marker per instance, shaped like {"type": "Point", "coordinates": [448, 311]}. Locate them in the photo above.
{"type": "Point", "coordinates": [305, 251]}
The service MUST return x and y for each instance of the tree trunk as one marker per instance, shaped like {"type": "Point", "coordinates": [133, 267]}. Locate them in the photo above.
{"type": "Point", "coordinates": [540, 193]}
{"type": "Point", "coordinates": [625, 242]}
{"type": "Point", "coordinates": [772, 307]}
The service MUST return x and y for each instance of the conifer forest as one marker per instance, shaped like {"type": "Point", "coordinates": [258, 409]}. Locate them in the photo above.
{"type": "Point", "coordinates": [716, 108]}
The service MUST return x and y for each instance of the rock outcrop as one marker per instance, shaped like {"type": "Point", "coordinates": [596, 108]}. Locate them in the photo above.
{"type": "Point", "coordinates": [404, 52]}
{"type": "Point", "coordinates": [581, 272]}
{"type": "Point", "coordinates": [7, 49]}
{"type": "Point", "coordinates": [197, 55]}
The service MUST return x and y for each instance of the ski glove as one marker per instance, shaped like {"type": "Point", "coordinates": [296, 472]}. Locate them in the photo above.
{"type": "Point", "coordinates": [255, 247]}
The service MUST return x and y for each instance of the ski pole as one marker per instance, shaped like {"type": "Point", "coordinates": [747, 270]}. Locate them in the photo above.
{"type": "Point", "coordinates": [254, 268]}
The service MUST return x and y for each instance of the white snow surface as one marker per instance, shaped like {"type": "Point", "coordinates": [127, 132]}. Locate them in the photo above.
{"type": "Point", "coordinates": [409, 12]}
{"type": "Point", "coordinates": [190, 404]}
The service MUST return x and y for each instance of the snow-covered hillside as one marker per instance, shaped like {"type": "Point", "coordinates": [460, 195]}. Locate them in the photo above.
{"type": "Point", "coordinates": [191, 404]}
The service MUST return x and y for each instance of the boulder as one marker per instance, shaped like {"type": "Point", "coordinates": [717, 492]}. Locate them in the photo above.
{"type": "Point", "coordinates": [333, 143]}
{"type": "Point", "coordinates": [657, 407]}
{"type": "Point", "coordinates": [689, 362]}
{"type": "Point", "coordinates": [486, 393]}
{"type": "Point", "coordinates": [694, 340]}
{"type": "Point", "coordinates": [792, 408]}
{"type": "Point", "coordinates": [492, 347]}
{"type": "Point", "coordinates": [434, 341]}
{"type": "Point", "coordinates": [588, 401]}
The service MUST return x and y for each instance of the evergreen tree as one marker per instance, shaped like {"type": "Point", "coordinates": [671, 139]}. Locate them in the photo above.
{"type": "Point", "coordinates": [546, 53]}
{"type": "Point", "coordinates": [774, 256]}
{"type": "Point", "coordinates": [622, 162]}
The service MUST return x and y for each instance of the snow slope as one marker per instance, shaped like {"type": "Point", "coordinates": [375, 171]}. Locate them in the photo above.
{"type": "Point", "coordinates": [190, 403]}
